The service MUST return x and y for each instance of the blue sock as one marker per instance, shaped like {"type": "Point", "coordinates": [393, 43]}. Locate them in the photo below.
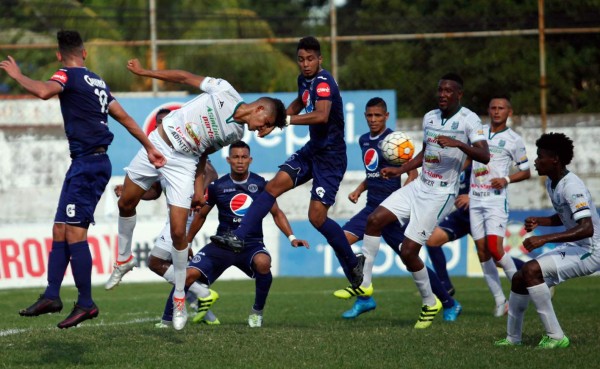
{"type": "Point", "coordinates": [256, 212]}
{"type": "Point", "coordinates": [518, 263]}
{"type": "Point", "coordinates": [438, 260]}
{"type": "Point", "coordinates": [81, 265]}
{"type": "Point", "coordinates": [334, 234]}
{"type": "Point", "coordinates": [58, 260]}
{"type": "Point", "coordinates": [263, 285]}
{"type": "Point", "coordinates": [439, 290]}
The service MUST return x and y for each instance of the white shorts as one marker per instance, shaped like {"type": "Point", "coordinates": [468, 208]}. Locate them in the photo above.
{"type": "Point", "coordinates": [420, 208]}
{"type": "Point", "coordinates": [164, 243]}
{"type": "Point", "coordinates": [567, 261]}
{"type": "Point", "coordinates": [488, 218]}
{"type": "Point", "coordinates": [179, 172]}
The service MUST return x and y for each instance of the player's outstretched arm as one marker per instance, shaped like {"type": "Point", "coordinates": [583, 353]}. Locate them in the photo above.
{"type": "Point", "coordinates": [120, 115]}
{"type": "Point", "coordinates": [499, 183]}
{"type": "Point", "coordinates": [320, 115]}
{"type": "Point", "coordinates": [284, 225]}
{"type": "Point", "coordinates": [197, 222]}
{"type": "Point", "coordinates": [42, 89]}
{"type": "Point", "coordinates": [583, 229]}
{"type": "Point", "coordinates": [169, 75]}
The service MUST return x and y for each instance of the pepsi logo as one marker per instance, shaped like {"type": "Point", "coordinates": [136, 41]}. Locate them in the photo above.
{"type": "Point", "coordinates": [239, 204]}
{"type": "Point", "coordinates": [371, 159]}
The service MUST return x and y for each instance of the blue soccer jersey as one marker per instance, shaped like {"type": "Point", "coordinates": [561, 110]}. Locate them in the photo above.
{"type": "Point", "coordinates": [328, 136]}
{"type": "Point", "coordinates": [378, 188]}
{"type": "Point", "coordinates": [233, 200]}
{"type": "Point", "coordinates": [84, 104]}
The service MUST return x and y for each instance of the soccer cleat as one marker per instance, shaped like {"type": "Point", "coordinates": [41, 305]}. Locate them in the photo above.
{"type": "Point", "coordinates": [506, 342]}
{"type": "Point", "coordinates": [356, 274]}
{"type": "Point", "coordinates": [452, 313]}
{"type": "Point", "coordinates": [228, 241]}
{"type": "Point", "coordinates": [120, 269]}
{"type": "Point", "coordinates": [501, 309]}
{"type": "Point", "coordinates": [204, 304]}
{"type": "Point", "coordinates": [179, 313]}
{"type": "Point", "coordinates": [348, 292]}
{"type": "Point", "coordinates": [551, 343]}
{"type": "Point", "coordinates": [360, 306]}
{"type": "Point", "coordinates": [427, 314]}
{"type": "Point", "coordinates": [43, 306]}
{"type": "Point", "coordinates": [78, 315]}
{"type": "Point", "coordinates": [164, 324]}
{"type": "Point", "coordinates": [210, 319]}
{"type": "Point", "coordinates": [255, 320]}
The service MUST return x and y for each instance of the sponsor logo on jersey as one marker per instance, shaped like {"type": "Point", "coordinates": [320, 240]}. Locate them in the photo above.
{"type": "Point", "coordinates": [432, 174]}
{"type": "Point", "coordinates": [190, 131]}
{"type": "Point", "coordinates": [60, 76]}
{"type": "Point", "coordinates": [177, 135]}
{"type": "Point", "coordinates": [209, 131]}
{"type": "Point", "coordinates": [431, 159]}
{"type": "Point", "coordinates": [94, 82]}
{"type": "Point", "coordinates": [480, 173]}
{"type": "Point", "coordinates": [306, 101]}
{"type": "Point", "coordinates": [323, 89]}
{"type": "Point", "coordinates": [213, 122]}
{"type": "Point", "coordinates": [239, 204]}
{"type": "Point", "coordinates": [371, 159]}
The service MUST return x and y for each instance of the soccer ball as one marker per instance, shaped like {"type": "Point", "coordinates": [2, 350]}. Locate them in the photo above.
{"type": "Point", "coordinates": [397, 148]}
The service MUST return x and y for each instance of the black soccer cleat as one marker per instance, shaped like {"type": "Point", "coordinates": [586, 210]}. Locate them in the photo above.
{"type": "Point", "coordinates": [43, 306]}
{"type": "Point", "coordinates": [356, 274]}
{"type": "Point", "coordinates": [78, 315]}
{"type": "Point", "coordinates": [228, 241]}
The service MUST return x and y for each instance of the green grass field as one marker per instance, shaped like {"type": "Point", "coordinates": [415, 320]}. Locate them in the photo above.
{"type": "Point", "coordinates": [302, 329]}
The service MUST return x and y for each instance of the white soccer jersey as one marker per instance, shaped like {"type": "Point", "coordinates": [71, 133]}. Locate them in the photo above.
{"type": "Point", "coordinates": [442, 165]}
{"type": "Point", "coordinates": [572, 201]}
{"type": "Point", "coordinates": [206, 121]}
{"type": "Point", "coordinates": [506, 148]}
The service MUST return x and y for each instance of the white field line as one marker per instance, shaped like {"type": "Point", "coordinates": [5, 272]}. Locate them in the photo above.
{"type": "Point", "coordinates": [8, 332]}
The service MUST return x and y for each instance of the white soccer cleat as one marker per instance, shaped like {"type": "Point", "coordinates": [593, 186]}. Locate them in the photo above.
{"type": "Point", "coordinates": [255, 320]}
{"type": "Point", "coordinates": [179, 314]}
{"type": "Point", "coordinates": [501, 309]}
{"type": "Point", "coordinates": [118, 272]}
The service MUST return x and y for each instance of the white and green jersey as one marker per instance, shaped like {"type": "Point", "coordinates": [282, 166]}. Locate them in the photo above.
{"type": "Point", "coordinates": [572, 201]}
{"type": "Point", "coordinates": [207, 120]}
{"type": "Point", "coordinates": [506, 148]}
{"type": "Point", "coordinates": [442, 165]}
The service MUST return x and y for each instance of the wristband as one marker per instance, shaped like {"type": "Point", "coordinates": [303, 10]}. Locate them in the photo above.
{"type": "Point", "coordinates": [507, 179]}
{"type": "Point", "coordinates": [288, 121]}
{"type": "Point", "coordinates": [291, 237]}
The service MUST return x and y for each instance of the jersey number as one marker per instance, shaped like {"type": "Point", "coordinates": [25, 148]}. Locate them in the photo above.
{"type": "Point", "coordinates": [103, 99]}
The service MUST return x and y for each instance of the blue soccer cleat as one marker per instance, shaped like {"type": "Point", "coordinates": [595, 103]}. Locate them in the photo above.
{"type": "Point", "coordinates": [451, 313]}
{"type": "Point", "coordinates": [361, 306]}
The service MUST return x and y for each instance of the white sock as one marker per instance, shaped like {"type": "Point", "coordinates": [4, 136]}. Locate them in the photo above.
{"type": "Point", "coordinates": [126, 226]}
{"type": "Point", "coordinates": [508, 264]}
{"type": "Point", "coordinates": [370, 249]}
{"type": "Point", "coordinates": [490, 273]}
{"type": "Point", "coordinates": [540, 295]}
{"type": "Point", "coordinates": [179, 267]}
{"type": "Point", "coordinates": [517, 304]}
{"type": "Point", "coordinates": [169, 275]}
{"type": "Point", "coordinates": [199, 289]}
{"type": "Point", "coordinates": [424, 286]}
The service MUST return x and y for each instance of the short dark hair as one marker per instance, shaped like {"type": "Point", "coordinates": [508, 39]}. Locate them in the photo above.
{"type": "Point", "coordinates": [69, 42]}
{"type": "Point", "coordinates": [309, 43]}
{"type": "Point", "coordinates": [163, 111]}
{"type": "Point", "coordinates": [453, 77]}
{"type": "Point", "coordinates": [377, 101]}
{"type": "Point", "coordinates": [558, 144]}
{"type": "Point", "coordinates": [239, 144]}
{"type": "Point", "coordinates": [502, 96]}
{"type": "Point", "coordinates": [276, 108]}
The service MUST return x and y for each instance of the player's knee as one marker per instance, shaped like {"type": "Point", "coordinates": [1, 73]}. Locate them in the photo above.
{"type": "Point", "coordinates": [262, 263]}
{"type": "Point", "coordinates": [58, 232]}
{"type": "Point", "coordinates": [531, 272]}
{"type": "Point", "coordinates": [191, 276]}
{"type": "Point", "coordinates": [126, 206]}
{"type": "Point", "coordinates": [157, 265]}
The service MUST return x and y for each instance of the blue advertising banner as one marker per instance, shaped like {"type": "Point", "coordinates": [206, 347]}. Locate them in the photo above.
{"type": "Point", "coordinates": [461, 255]}
{"type": "Point", "coordinates": [270, 151]}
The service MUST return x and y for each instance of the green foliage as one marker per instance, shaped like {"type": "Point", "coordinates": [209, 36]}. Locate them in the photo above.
{"type": "Point", "coordinates": [302, 329]}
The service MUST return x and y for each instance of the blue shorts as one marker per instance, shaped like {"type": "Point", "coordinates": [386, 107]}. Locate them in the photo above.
{"type": "Point", "coordinates": [456, 224]}
{"type": "Point", "coordinates": [393, 233]}
{"type": "Point", "coordinates": [325, 169]}
{"type": "Point", "coordinates": [212, 260]}
{"type": "Point", "coordinates": [84, 184]}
